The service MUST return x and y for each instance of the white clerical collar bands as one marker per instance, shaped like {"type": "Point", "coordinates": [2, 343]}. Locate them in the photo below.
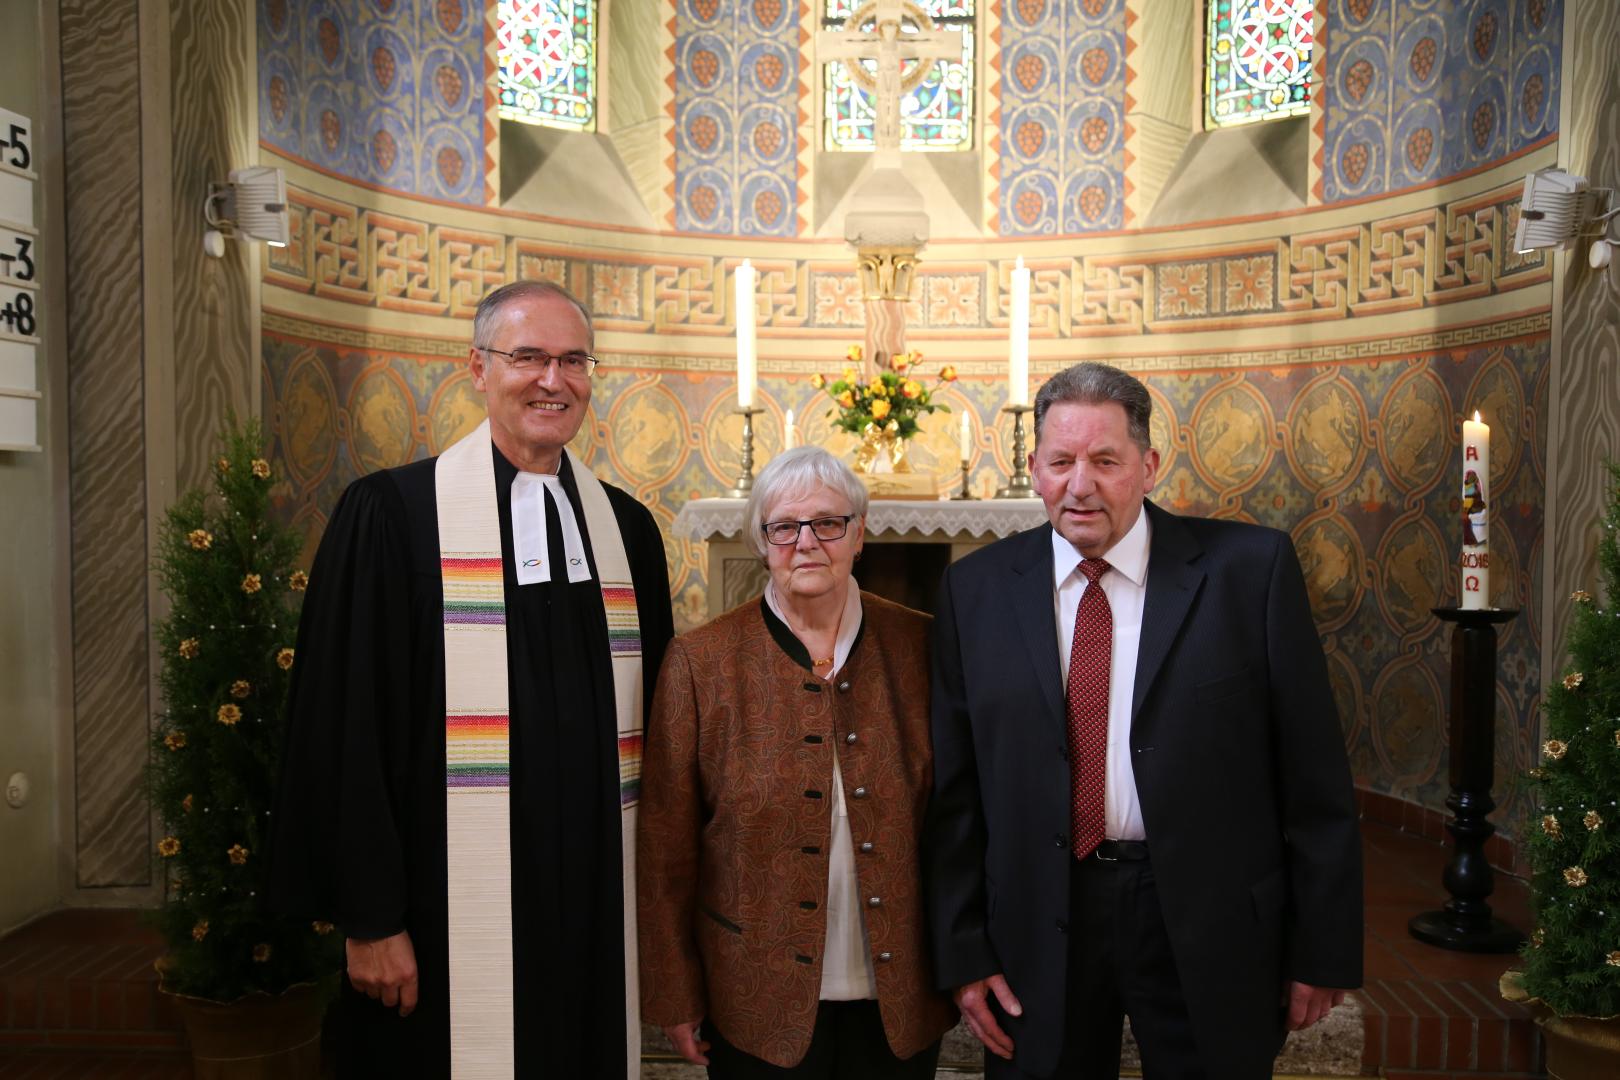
{"type": "Point", "coordinates": [529, 544]}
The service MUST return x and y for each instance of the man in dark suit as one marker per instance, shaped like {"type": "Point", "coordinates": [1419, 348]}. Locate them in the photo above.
{"type": "Point", "coordinates": [1141, 800]}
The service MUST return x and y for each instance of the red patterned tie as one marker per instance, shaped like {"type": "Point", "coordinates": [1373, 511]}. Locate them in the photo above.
{"type": "Point", "coordinates": [1090, 659]}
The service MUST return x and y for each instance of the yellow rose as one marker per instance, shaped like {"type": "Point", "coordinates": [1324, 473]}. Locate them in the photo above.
{"type": "Point", "coordinates": [948, 373]}
{"type": "Point", "coordinates": [818, 380]}
{"type": "Point", "coordinates": [855, 354]}
{"type": "Point", "coordinates": [880, 409]}
{"type": "Point", "coordinates": [847, 399]}
{"type": "Point", "coordinates": [911, 388]}
{"type": "Point", "coordinates": [877, 388]}
{"type": "Point", "coordinates": [900, 361]}
{"type": "Point", "coordinates": [851, 375]}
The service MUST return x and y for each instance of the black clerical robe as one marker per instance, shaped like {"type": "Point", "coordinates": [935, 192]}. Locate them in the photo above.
{"type": "Point", "coordinates": [359, 824]}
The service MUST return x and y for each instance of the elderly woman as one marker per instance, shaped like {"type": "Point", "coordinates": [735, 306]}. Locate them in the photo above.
{"type": "Point", "coordinates": [786, 774]}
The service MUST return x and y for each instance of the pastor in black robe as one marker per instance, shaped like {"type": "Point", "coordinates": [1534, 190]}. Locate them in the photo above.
{"type": "Point", "coordinates": [359, 823]}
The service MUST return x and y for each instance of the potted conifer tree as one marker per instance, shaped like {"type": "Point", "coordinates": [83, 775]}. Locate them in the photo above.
{"type": "Point", "coordinates": [1572, 961]}
{"type": "Point", "coordinates": [250, 986]}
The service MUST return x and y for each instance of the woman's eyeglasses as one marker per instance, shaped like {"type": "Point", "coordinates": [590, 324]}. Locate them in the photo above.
{"type": "Point", "coordinates": [783, 533]}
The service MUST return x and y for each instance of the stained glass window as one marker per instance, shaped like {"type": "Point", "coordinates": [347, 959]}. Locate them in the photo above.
{"type": "Point", "coordinates": [1257, 60]}
{"type": "Point", "coordinates": [935, 114]}
{"type": "Point", "coordinates": [548, 62]}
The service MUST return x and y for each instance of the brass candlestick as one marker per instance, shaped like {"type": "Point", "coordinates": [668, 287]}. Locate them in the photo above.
{"type": "Point", "coordinates": [745, 477]}
{"type": "Point", "coordinates": [1018, 485]}
{"type": "Point", "coordinates": [964, 493]}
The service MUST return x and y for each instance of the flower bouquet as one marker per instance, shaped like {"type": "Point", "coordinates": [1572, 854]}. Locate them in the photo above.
{"type": "Point", "coordinates": [884, 409]}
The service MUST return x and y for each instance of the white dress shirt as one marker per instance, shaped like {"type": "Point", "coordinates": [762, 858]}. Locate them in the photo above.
{"type": "Point", "coordinates": [846, 966]}
{"type": "Point", "coordinates": [1125, 585]}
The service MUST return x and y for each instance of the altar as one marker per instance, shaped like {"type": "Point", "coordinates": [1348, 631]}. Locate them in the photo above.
{"type": "Point", "coordinates": [908, 544]}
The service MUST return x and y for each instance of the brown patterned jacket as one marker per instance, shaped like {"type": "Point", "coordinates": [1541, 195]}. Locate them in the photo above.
{"type": "Point", "coordinates": [735, 826]}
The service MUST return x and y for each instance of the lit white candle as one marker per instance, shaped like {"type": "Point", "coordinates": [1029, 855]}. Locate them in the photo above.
{"type": "Point", "coordinates": [965, 441]}
{"type": "Point", "coordinates": [790, 437]}
{"type": "Point", "coordinates": [1018, 337]}
{"type": "Point", "coordinates": [747, 363]}
{"type": "Point", "coordinates": [1476, 501]}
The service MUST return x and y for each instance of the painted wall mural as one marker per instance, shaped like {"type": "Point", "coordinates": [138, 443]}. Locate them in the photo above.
{"type": "Point", "coordinates": [389, 92]}
{"type": "Point", "coordinates": [1062, 117]}
{"type": "Point", "coordinates": [1417, 90]}
{"type": "Point", "coordinates": [1354, 458]}
{"type": "Point", "coordinates": [739, 101]}
{"type": "Point", "coordinates": [1457, 250]}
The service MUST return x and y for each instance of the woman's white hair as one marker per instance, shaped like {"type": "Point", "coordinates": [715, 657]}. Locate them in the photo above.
{"type": "Point", "coordinates": [793, 474]}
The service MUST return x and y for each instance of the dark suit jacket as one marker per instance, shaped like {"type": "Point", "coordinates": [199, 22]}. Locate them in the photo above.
{"type": "Point", "coordinates": [1239, 765]}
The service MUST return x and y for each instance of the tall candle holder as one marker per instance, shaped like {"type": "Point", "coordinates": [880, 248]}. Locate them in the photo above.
{"type": "Point", "coordinates": [964, 493]}
{"type": "Point", "coordinates": [1018, 484]}
{"type": "Point", "coordinates": [1465, 922]}
{"type": "Point", "coordinates": [744, 486]}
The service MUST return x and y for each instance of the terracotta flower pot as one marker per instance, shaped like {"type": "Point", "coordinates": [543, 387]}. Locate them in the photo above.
{"type": "Point", "coordinates": [258, 1036]}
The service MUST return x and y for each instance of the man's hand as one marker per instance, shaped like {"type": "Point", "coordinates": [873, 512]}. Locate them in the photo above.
{"type": "Point", "coordinates": [974, 1001]}
{"type": "Point", "coordinates": [385, 969]}
{"type": "Point", "coordinates": [1308, 1004]}
{"type": "Point", "coordinates": [685, 1039]}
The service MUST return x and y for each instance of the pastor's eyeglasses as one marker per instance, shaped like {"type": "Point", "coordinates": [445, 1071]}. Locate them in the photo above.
{"type": "Point", "coordinates": [576, 364]}
{"type": "Point", "coordinates": [783, 533]}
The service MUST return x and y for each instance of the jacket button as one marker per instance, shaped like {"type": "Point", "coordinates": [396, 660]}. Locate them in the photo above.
{"type": "Point", "coordinates": [843, 687]}
{"type": "Point", "coordinates": [859, 793]}
{"type": "Point", "coordinates": [874, 901]}
{"type": "Point", "coordinates": [884, 957]}
{"type": "Point", "coordinates": [1062, 926]}
{"type": "Point", "coordinates": [850, 738]}
{"type": "Point", "coordinates": [1060, 840]}
{"type": "Point", "coordinates": [866, 847]}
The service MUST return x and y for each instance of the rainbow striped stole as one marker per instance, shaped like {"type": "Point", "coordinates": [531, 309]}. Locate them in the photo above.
{"type": "Point", "coordinates": [477, 749]}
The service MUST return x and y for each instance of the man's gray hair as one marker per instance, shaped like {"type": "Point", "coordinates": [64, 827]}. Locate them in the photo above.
{"type": "Point", "coordinates": [1092, 383]}
{"type": "Point", "coordinates": [491, 304]}
{"type": "Point", "coordinates": [794, 474]}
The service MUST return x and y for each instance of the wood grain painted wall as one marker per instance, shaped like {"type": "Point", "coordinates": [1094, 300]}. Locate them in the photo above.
{"type": "Point", "coordinates": [1587, 369]}
{"type": "Point", "coordinates": [214, 116]}
{"type": "Point", "coordinates": [101, 121]}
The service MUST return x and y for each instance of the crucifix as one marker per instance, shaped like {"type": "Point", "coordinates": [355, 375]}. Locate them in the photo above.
{"type": "Point", "coordinates": [887, 221]}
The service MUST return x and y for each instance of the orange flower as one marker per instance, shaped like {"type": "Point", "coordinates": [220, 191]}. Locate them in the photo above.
{"type": "Point", "coordinates": [948, 373]}
{"type": "Point", "coordinates": [880, 409]}
{"type": "Point", "coordinates": [911, 388]}
{"type": "Point", "coordinates": [818, 380]}
{"type": "Point", "coordinates": [1574, 877]}
{"type": "Point", "coordinates": [175, 740]}
{"type": "Point", "coordinates": [229, 714]}
{"type": "Point", "coordinates": [189, 648]}
{"type": "Point", "coordinates": [298, 581]}
{"type": "Point", "coordinates": [846, 399]}
{"type": "Point", "coordinates": [200, 539]}
{"type": "Point", "coordinates": [1593, 820]}
{"type": "Point", "coordinates": [900, 361]}
{"type": "Point", "coordinates": [241, 688]}
{"type": "Point", "coordinates": [223, 465]}
{"type": "Point", "coordinates": [855, 354]}
{"type": "Point", "coordinates": [251, 584]}
{"type": "Point", "coordinates": [238, 855]}
{"type": "Point", "coordinates": [284, 659]}
{"type": "Point", "coordinates": [261, 468]}
{"type": "Point", "coordinates": [169, 847]}
{"type": "Point", "coordinates": [1581, 596]}
{"type": "Point", "coordinates": [1550, 826]}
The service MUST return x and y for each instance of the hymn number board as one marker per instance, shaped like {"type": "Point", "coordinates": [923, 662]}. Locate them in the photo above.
{"type": "Point", "coordinates": [19, 286]}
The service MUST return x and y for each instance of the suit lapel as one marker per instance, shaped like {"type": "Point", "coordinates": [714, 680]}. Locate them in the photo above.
{"type": "Point", "coordinates": [1030, 594]}
{"type": "Point", "coordinates": [1173, 582]}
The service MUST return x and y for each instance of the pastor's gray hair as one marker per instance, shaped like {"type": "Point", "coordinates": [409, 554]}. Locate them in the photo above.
{"type": "Point", "coordinates": [1092, 383]}
{"type": "Point", "coordinates": [793, 474]}
{"type": "Point", "coordinates": [491, 304]}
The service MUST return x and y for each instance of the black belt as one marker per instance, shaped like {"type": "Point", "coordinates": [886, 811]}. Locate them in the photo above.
{"type": "Point", "coordinates": [1121, 851]}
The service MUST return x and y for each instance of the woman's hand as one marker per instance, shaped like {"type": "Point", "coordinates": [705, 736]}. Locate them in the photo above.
{"type": "Point", "coordinates": [685, 1039]}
